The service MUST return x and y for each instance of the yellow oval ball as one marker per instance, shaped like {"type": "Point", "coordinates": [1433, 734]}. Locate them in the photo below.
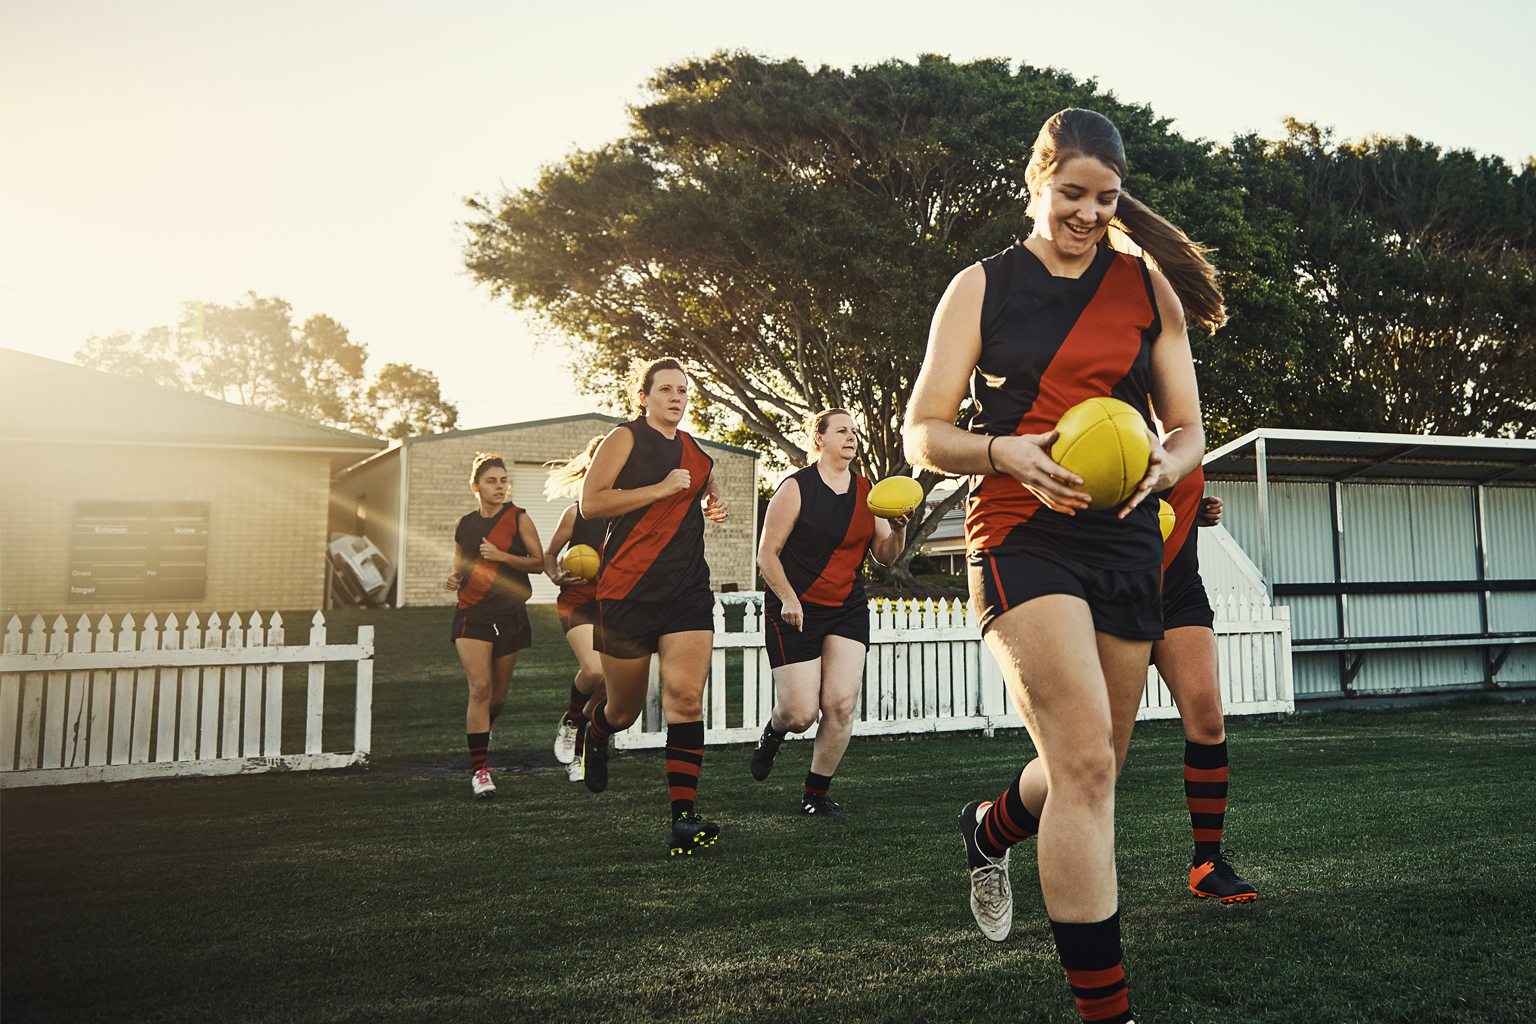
{"type": "Point", "coordinates": [1104, 441]}
{"type": "Point", "coordinates": [895, 496]}
{"type": "Point", "coordinates": [1165, 518]}
{"type": "Point", "coordinates": [582, 560]}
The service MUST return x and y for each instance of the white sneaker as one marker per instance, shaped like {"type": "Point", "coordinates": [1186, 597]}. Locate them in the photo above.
{"type": "Point", "coordinates": [991, 894]}
{"type": "Point", "coordinates": [565, 741]}
{"type": "Point", "coordinates": [482, 785]}
{"type": "Point", "coordinates": [574, 771]}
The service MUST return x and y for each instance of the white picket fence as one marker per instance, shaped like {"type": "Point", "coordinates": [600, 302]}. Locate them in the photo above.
{"type": "Point", "coordinates": [929, 671]}
{"type": "Point", "coordinates": [106, 703]}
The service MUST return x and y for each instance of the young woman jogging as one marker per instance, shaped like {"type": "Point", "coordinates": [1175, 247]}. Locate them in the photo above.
{"type": "Point", "coordinates": [495, 548]}
{"type": "Point", "coordinates": [816, 532]}
{"type": "Point", "coordinates": [577, 606]}
{"type": "Point", "coordinates": [655, 486]}
{"type": "Point", "coordinates": [1068, 598]}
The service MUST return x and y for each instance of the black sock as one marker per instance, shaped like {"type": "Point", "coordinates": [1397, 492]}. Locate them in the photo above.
{"type": "Point", "coordinates": [578, 703]}
{"type": "Point", "coordinates": [1090, 953]}
{"type": "Point", "coordinates": [685, 756]}
{"type": "Point", "coordinates": [601, 730]}
{"type": "Point", "coordinates": [1205, 792]}
{"type": "Point", "coordinates": [478, 742]}
{"type": "Point", "coordinates": [817, 785]}
{"type": "Point", "coordinates": [777, 735]}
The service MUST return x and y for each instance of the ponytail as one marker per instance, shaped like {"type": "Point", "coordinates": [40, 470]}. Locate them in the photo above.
{"type": "Point", "coordinates": [565, 476]}
{"type": "Point", "coordinates": [1181, 259]}
{"type": "Point", "coordinates": [1077, 132]}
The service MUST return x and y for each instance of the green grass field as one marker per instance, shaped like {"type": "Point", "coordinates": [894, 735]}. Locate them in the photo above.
{"type": "Point", "coordinates": [1394, 852]}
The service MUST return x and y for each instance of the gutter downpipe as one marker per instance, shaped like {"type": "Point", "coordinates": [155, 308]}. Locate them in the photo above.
{"type": "Point", "coordinates": [1265, 565]}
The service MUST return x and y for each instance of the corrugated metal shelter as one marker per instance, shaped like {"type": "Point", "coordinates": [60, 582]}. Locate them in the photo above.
{"type": "Point", "coordinates": [1408, 562]}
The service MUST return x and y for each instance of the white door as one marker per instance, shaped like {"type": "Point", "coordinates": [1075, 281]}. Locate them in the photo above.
{"type": "Point", "coordinates": [528, 493]}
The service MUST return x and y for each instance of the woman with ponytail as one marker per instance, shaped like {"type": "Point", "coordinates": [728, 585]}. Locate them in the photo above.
{"type": "Point", "coordinates": [577, 606]}
{"type": "Point", "coordinates": [1068, 597]}
{"type": "Point", "coordinates": [655, 487]}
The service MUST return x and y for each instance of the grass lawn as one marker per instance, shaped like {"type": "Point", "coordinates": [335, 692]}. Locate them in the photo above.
{"type": "Point", "coordinates": [1394, 852]}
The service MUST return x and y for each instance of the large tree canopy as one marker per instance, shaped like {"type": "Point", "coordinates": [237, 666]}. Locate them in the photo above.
{"type": "Point", "coordinates": [252, 354]}
{"type": "Point", "coordinates": [788, 233]}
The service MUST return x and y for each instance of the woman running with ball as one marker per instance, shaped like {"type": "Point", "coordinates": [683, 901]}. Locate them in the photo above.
{"type": "Point", "coordinates": [815, 535]}
{"type": "Point", "coordinates": [655, 486]}
{"type": "Point", "coordinates": [577, 606]}
{"type": "Point", "coordinates": [1068, 598]}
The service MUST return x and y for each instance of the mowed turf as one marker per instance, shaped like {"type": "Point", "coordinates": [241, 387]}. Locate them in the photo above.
{"type": "Point", "coordinates": [1394, 853]}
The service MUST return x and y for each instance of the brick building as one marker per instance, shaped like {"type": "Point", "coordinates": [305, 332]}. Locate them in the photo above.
{"type": "Point", "coordinates": [423, 483]}
{"type": "Point", "coordinates": [118, 495]}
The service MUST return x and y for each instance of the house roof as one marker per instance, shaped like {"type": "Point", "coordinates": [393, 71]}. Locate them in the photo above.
{"type": "Point", "coordinates": [46, 400]}
{"type": "Point", "coordinates": [604, 417]}
{"type": "Point", "coordinates": [1346, 455]}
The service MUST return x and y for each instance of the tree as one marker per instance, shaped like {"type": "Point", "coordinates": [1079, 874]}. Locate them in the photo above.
{"type": "Point", "coordinates": [789, 232]}
{"type": "Point", "coordinates": [404, 401]}
{"type": "Point", "coordinates": [1418, 269]}
{"type": "Point", "coordinates": [252, 354]}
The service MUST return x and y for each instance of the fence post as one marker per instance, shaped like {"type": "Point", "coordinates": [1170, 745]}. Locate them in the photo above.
{"type": "Point", "coordinates": [362, 735]}
{"type": "Point", "coordinates": [314, 708]}
{"type": "Point", "coordinates": [208, 729]}
{"type": "Point", "coordinates": [714, 710]}
{"type": "Point", "coordinates": [170, 680]}
{"type": "Point", "coordinates": [123, 695]}
{"type": "Point", "coordinates": [10, 698]}
{"type": "Point", "coordinates": [186, 732]}
{"type": "Point", "coordinates": [272, 733]}
{"type": "Point", "coordinates": [250, 738]}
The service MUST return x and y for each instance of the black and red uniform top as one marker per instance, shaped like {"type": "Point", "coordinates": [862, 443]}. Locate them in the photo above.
{"type": "Point", "coordinates": [1048, 343]}
{"type": "Point", "coordinates": [491, 591]}
{"type": "Point", "coordinates": [656, 553]}
{"type": "Point", "coordinates": [1185, 497]}
{"type": "Point", "coordinates": [823, 553]}
{"type": "Point", "coordinates": [589, 532]}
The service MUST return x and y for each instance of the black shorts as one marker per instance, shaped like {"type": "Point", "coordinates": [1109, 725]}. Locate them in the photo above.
{"type": "Point", "coordinates": [577, 606]}
{"type": "Point", "coordinates": [1184, 599]}
{"type": "Point", "coordinates": [632, 629]}
{"type": "Point", "coordinates": [506, 636]}
{"type": "Point", "coordinates": [1123, 604]}
{"type": "Point", "coordinates": [790, 646]}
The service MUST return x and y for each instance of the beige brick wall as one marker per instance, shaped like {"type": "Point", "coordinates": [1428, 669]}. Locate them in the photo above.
{"type": "Point", "coordinates": [266, 528]}
{"type": "Point", "coordinates": [438, 494]}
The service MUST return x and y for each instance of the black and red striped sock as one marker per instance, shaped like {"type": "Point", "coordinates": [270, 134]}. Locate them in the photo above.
{"type": "Point", "coordinates": [601, 730]}
{"type": "Point", "coordinates": [817, 785]}
{"type": "Point", "coordinates": [1006, 823]}
{"type": "Point", "coordinates": [581, 735]}
{"type": "Point", "coordinates": [1205, 791]}
{"type": "Point", "coordinates": [685, 756]}
{"type": "Point", "coordinates": [479, 742]}
{"type": "Point", "coordinates": [578, 702]}
{"type": "Point", "coordinates": [1091, 955]}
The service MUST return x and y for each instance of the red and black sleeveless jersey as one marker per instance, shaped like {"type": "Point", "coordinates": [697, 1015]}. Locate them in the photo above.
{"type": "Point", "coordinates": [656, 553]}
{"type": "Point", "coordinates": [1185, 497]}
{"type": "Point", "coordinates": [1048, 343]}
{"type": "Point", "coordinates": [491, 591]}
{"type": "Point", "coordinates": [589, 532]}
{"type": "Point", "coordinates": [824, 551]}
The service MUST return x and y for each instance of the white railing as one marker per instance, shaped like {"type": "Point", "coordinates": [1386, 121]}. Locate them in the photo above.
{"type": "Point", "coordinates": [929, 671]}
{"type": "Point", "coordinates": [105, 703]}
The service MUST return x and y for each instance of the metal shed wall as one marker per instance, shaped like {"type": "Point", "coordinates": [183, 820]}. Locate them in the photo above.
{"type": "Point", "coordinates": [1394, 532]}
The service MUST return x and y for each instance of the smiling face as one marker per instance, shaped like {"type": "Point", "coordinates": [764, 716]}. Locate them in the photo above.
{"type": "Point", "coordinates": [839, 439]}
{"type": "Point", "coordinates": [1073, 207]}
{"type": "Point", "coordinates": [667, 400]}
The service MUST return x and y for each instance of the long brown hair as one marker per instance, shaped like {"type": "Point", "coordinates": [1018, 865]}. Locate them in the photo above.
{"type": "Point", "coordinates": [1076, 132]}
{"type": "Point", "coordinates": [565, 476]}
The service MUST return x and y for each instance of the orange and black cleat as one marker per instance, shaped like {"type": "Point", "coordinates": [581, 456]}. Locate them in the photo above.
{"type": "Point", "coordinates": [1216, 878]}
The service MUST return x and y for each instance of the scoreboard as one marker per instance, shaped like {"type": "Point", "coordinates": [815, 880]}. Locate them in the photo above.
{"type": "Point", "coordinates": [139, 551]}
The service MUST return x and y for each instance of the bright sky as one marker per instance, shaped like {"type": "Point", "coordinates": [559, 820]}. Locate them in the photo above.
{"type": "Point", "coordinates": [165, 150]}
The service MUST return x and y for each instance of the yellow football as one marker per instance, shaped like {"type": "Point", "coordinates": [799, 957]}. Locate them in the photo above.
{"type": "Point", "coordinates": [895, 496]}
{"type": "Point", "coordinates": [581, 560]}
{"type": "Point", "coordinates": [1104, 441]}
{"type": "Point", "coordinates": [1165, 518]}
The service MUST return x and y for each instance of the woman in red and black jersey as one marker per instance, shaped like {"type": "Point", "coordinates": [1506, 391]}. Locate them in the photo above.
{"type": "Point", "coordinates": [815, 535]}
{"type": "Point", "coordinates": [495, 547]}
{"type": "Point", "coordinates": [577, 606]}
{"type": "Point", "coordinates": [655, 486]}
{"type": "Point", "coordinates": [1068, 597]}
{"type": "Point", "coordinates": [1186, 659]}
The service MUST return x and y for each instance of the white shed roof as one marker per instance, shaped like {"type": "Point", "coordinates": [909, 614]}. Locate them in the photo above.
{"type": "Point", "coordinates": [1349, 455]}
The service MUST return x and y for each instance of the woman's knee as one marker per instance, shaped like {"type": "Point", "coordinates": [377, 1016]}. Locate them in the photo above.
{"type": "Point", "coordinates": [797, 719]}
{"type": "Point", "coordinates": [1085, 775]}
{"type": "Point", "coordinates": [588, 680]}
